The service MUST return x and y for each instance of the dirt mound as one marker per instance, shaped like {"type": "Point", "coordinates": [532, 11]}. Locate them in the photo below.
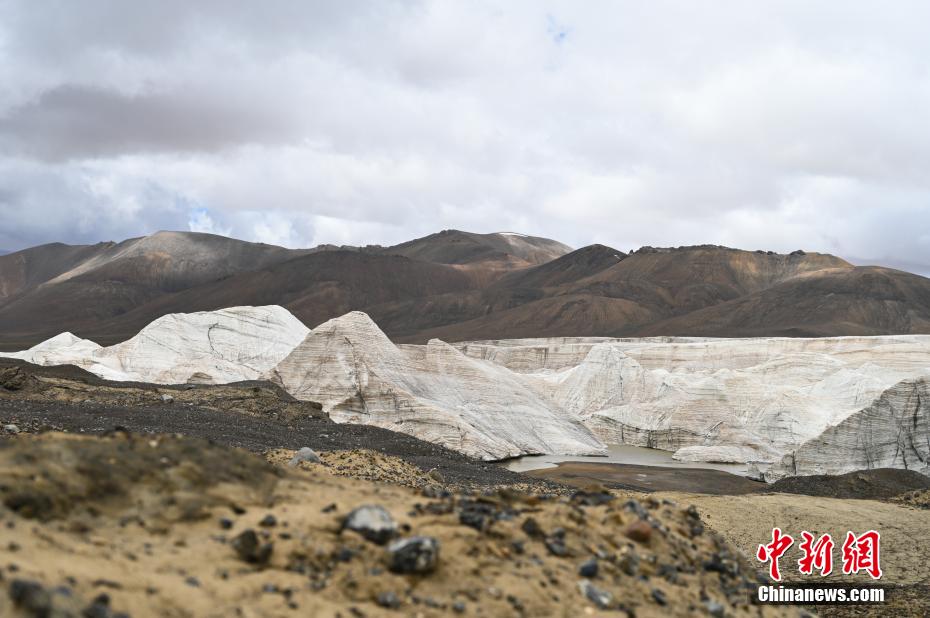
{"type": "Point", "coordinates": [109, 473]}
{"type": "Point", "coordinates": [882, 483]}
{"type": "Point", "coordinates": [296, 542]}
{"type": "Point", "coordinates": [919, 499]}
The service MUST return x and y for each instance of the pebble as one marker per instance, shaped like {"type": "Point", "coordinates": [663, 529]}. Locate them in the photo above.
{"type": "Point", "coordinates": [248, 548]}
{"type": "Point", "coordinates": [167, 398]}
{"type": "Point", "coordinates": [373, 522]}
{"type": "Point", "coordinates": [639, 531]}
{"type": "Point", "coordinates": [418, 554]}
{"type": "Point", "coordinates": [588, 568]}
{"type": "Point", "coordinates": [304, 454]}
{"type": "Point", "coordinates": [436, 475]}
{"type": "Point", "coordinates": [268, 521]}
{"type": "Point", "coordinates": [226, 523]}
{"type": "Point", "coordinates": [388, 599]}
{"type": "Point", "coordinates": [714, 608]}
{"type": "Point", "coordinates": [31, 596]}
{"type": "Point", "coordinates": [11, 428]}
{"type": "Point", "coordinates": [532, 528]}
{"type": "Point", "coordinates": [659, 596]}
{"type": "Point", "coordinates": [601, 598]}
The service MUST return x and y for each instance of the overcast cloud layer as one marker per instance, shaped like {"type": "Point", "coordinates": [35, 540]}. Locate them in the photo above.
{"type": "Point", "coordinates": [777, 125]}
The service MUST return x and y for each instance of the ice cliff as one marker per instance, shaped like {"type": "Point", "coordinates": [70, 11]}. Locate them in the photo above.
{"type": "Point", "coordinates": [791, 406]}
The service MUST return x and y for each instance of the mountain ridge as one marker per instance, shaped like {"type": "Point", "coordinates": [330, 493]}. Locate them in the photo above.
{"type": "Point", "coordinates": [456, 286]}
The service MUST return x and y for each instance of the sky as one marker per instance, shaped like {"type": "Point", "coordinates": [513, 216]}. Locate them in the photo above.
{"type": "Point", "coordinates": [758, 125]}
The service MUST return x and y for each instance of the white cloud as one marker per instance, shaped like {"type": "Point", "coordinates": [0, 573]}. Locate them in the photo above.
{"type": "Point", "coordinates": [775, 125]}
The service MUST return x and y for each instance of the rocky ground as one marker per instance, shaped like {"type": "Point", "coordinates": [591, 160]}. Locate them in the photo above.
{"type": "Point", "coordinates": [97, 522]}
{"type": "Point", "coordinates": [146, 525]}
{"type": "Point", "coordinates": [257, 416]}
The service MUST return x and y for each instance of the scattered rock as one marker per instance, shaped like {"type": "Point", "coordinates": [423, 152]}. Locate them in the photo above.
{"type": "Point", "coordinates": [268, 521]}
{"type": "Point", "coordinates": [436, 475]}
{"type": "Point", "coordinates": [532, 528]}
{"type": "Point", "coordinates": [31, 596]}
{"type": "Point", "coordinates": [601, 598]}
{"type": "Point", "coordinates": [388, 599]}
{"type": "Point", "coordinates": [659, 596]}
{"type": "Point", "coordinates": [418, 554]}
{"type": "Point", "coordinates": [11, 429]}
{"type": "Point", "coordinates": [305, 454]}
{"type": "Point", "coordinates": [249, 548]}
{"type": "Point", "coordinates": [167, 398]}
{"type": "Point", "coordinates": [639, 531]}
{"type": "Point", "coordinates": [714, 608]}
{"type": "Point", "coordinates": [372, 522]}
{"type": "Point", "coordinates": [592, 497]}
{"type": "Point", "coordinates": [588, 568]}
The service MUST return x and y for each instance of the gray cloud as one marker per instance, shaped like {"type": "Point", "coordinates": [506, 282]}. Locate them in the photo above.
{"type": "Point", "coordinates": [775, 125]}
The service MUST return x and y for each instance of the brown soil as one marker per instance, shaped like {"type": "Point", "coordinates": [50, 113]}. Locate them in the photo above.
{"type": "Point", "coordinates": [648, 478]}
{"type": "Point", "coordinates": [152, 522]}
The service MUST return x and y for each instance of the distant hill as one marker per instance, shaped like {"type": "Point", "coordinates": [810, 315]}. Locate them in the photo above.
{"type": "Point", "coordinates": [503, 249]}
{"type": "Point", "coordinates": [456, 286]}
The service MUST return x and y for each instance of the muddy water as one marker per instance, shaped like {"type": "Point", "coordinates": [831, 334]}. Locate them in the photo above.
{"type": "Point", "coordinates": [620, 454]}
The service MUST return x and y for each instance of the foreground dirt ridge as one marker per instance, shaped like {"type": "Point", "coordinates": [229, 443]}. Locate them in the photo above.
{"type": "Point", "coordinates": [173, 526]}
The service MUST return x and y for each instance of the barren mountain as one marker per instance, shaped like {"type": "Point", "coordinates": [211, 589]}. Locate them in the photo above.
{"type": "Point", "coordinates": [456, 286]}
{"type": "Point", "coordinates": [503, 250]}
{"type": "Point", "coordinates": [57, 287]}
{"type": "Point", "coordinates": [865, 300]}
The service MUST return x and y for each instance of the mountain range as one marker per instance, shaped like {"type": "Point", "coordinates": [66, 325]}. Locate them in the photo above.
{"type": "Point", "coordinates": [456, 286]}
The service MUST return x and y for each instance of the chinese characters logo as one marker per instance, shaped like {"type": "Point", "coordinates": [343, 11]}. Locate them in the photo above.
{"type": "Point", "coordinates": [859, 553]}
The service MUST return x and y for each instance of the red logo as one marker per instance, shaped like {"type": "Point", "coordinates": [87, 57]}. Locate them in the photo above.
{"type": "Point", "coordinates": [819, 554]}
{"type": "Point", "coordinates": [775, 550]}
{"type": "Point", "coordinates": [860, 553]}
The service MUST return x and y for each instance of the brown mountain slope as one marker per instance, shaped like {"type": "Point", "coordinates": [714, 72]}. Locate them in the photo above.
{"type": "Point", "coordinates": [458, 286]}
{"type": "Point", "coordinates": [622, 297]}
{"type": "Point", "coordinates": [56, 287]}
{"type": "Point", "coordinates": [26, 269]}
{"type": "Point", "coordinates": [314, 287]}
{"type": "Point", "coordinates": [503, 249]}
{"type": "Point", "coordinates": [866, 300]}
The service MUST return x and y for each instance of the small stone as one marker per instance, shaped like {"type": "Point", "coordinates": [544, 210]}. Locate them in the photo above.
{"type": "Point", "coordinates": [226, 523]}
{"type": "Point", "coordinates": [11, 429]}
{"type": "Point", "coordinates": [372, 522]}
{"type": "Point", "coordinates": [601, 598]}
{"type": "Point", "coordinates": [268, 521]}
{"type": "Point", "coordinates": [248, 548]}
{"type": "Point", "coordinates": [436, 475]}
{"type": "Point", "coordinates": [592, 497]}
{"type": "Point", "coordinates": [659, 596]}
{"type": "Point", "coordinates": [167, 398]}
{"type": "Point", "coordinates": [532, 528]}
{"type": "Point", "coordinates": [629, 564]}
{"type": "Point", "coordinates": [588, 568]}
{"type": "Point", "coordinates": [636, 507]}
{"type": "Point", "coordinates": [193, 582]}
{"type": "Point", "coordinates": [30, 596]}
{"type": "Point", "coordinates": [714, 608]}
{"type": "Point", "coordinates": [418, 554]}
{"type": "Point", "coordinates": [388, 599]}
{"type": "Point", "coordinates": [305, 454]}
{"type": "Point", "coordinates": [458, 607]}
{"type": "Point", "coordinates": [639, 531]}
{"type": "Point", "coordinates": [556, 545]}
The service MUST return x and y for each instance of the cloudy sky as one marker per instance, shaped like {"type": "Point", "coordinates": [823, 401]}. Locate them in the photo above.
{"type": "Point", "coordinates": [777, 125]}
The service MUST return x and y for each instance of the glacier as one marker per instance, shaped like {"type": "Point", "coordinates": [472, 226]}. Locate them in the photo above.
{"type": "Point", "coordinates": [787, 406]}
